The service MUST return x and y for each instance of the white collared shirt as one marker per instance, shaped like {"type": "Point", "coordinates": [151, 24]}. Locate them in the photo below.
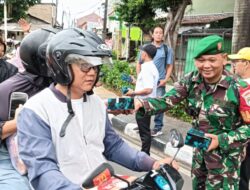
{"type": "Point", "coordinates": [147, 78]}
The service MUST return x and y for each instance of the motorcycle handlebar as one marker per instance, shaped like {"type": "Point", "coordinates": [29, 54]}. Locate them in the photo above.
{"type": "Point", "coordinates": [166, 177]}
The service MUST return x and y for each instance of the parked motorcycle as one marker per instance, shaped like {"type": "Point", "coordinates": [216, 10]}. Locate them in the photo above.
{"type": "Point", "coordinates": [164, 178]}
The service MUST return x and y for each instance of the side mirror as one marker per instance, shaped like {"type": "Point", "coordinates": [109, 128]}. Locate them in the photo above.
{"type": "Point", "coordinates": [176, 138]}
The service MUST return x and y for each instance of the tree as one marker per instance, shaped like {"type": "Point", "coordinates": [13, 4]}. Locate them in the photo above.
{"type": "Point", "coordinates": [241, 28]}
{"type": "Point", "coordinates": [17, 8]}
{"type": "Point", "coordinates": [142, 13]}
{"type": "Point", "coordinates": [137, 12]}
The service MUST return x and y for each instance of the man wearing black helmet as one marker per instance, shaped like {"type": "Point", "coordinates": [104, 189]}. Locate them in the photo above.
{"type": "Point", "coordinates": [64, 131]}
{"type": "Point", "coordinates": [31, 81]}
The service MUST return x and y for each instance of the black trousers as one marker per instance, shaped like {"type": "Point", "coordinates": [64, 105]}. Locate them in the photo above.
{"type": "Point", "coordinates": [144, 131]}
{"type": "Point", "coordinates": [245, 171]}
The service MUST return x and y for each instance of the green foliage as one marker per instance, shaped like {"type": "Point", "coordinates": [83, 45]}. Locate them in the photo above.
{"type": "Point", "coordinates": [112, 75]}
{"type": "Point", "coordinates": [178, 111]}
{"type": "Point", "coordinates": [142, 12]}
{"type": "Point", "coordinates": [164, 5]}
{"type": "Point", "coordinates": [137, 12]}
{"type": "Point", "coordinates": [18, 8]}
{"type": "Point", "coordinates": [112, 80]}
{"type": "Point", "coordinates": [114, 55]}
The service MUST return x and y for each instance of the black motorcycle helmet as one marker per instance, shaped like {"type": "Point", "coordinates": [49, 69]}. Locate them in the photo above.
{"type": "Point", "coordinates": [33, 51]}
{"type": "Point", "coordinates": [72, 41]}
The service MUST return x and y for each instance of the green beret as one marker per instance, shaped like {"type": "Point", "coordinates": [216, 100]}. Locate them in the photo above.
{"type": "Point", "coordinates": [209, 45]}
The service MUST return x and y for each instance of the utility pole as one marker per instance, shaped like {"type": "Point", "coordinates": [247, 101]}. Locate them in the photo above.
{"type": "Point", "coordinates": [5, 20]}
{"type": "Point", "coordinates": [63, 18]}
{"type": "Point", "coordinates": [55, 21]}
{"type": "Point", "coordinates": [69, 17]}
{"type": "Point", "coordinates": [104, 32]}
{"type": "Point", "coordinates": [128, 42]}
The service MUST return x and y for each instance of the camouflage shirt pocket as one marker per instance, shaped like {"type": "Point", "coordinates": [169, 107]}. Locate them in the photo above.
{"type": "Point", "coordinates": [218, 111]}
{"type": "Point", "coordinates": [221, 117]}
{"type": "Point", "coordinates": [213, 160]}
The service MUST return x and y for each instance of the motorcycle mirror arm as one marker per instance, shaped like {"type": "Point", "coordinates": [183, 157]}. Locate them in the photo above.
{"type": "Point", "coordinates": [174, 156]}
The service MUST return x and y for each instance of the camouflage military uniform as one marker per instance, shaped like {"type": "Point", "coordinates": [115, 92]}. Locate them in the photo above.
{"type": "Point", "coordinates": [214, 110]}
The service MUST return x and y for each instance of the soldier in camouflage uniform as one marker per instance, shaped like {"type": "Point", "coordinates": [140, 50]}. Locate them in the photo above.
{"type": "Point", "coordinates": [211, 97]}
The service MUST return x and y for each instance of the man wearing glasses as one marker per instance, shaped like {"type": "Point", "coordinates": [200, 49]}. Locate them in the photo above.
{"type": "Point", "coordinates": [64, 131]}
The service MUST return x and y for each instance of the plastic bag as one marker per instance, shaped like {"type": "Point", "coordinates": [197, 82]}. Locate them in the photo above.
{"type": "Point", "coordinates": [16, 161]}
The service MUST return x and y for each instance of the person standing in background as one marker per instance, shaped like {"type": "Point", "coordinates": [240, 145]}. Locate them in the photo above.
{"type": "Point", "coordinates": [16, 60]}
{"type": "Point", "coordinates": [163, 61]}
{"type": "Point", "coordinates": [6, 69]}
{"type": "Point", "coordinates": [109, 41]}
{"type": "Point", "coordinates": [146, 86]}
{"type": "Point", "coordinates": [241, 67]}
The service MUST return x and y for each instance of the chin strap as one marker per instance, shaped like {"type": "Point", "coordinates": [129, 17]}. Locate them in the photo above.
{"type": "Point", "coordinates": [70, 116]}
{"type": "Point", "coordinates": [69, 105]}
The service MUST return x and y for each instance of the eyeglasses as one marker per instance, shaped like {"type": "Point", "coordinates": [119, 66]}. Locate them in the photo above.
{"type": "Point", "coordinates": [236, 61]}
{"type": "Point", "coordinates": [86, 67]}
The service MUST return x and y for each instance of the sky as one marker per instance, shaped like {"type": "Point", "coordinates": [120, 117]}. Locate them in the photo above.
{"type": "Point", "coordinates": [74, 9]}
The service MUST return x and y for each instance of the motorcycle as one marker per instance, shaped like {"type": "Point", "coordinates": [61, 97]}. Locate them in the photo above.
{"type": "Point", "coordinates": [164, 178]}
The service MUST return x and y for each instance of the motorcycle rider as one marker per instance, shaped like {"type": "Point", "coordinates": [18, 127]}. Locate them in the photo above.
{"type": "Point", "coordinates": [64, 131]}
{"type": "Point", "coordinates": [31, 81]}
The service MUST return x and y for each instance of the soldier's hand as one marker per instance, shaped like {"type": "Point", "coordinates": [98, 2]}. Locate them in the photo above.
{"type": "Point", "coordinates": [118, 112]}
{"type": "Point", "coordinates": [214, 141]}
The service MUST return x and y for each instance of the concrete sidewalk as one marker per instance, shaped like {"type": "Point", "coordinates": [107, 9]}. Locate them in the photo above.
{"type": "Point", "coordinates": [126, 124]}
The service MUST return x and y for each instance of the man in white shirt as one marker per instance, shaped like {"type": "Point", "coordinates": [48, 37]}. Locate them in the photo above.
{"type": "Point", "coordinates": [146, 86]}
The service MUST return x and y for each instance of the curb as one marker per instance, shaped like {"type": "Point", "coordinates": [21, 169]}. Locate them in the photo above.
{"type": "Point", "coordinates": [185, 154]}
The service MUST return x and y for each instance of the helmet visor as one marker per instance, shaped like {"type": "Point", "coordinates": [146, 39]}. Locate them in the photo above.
{"type": "Point", "coordinates": [91, 60]}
